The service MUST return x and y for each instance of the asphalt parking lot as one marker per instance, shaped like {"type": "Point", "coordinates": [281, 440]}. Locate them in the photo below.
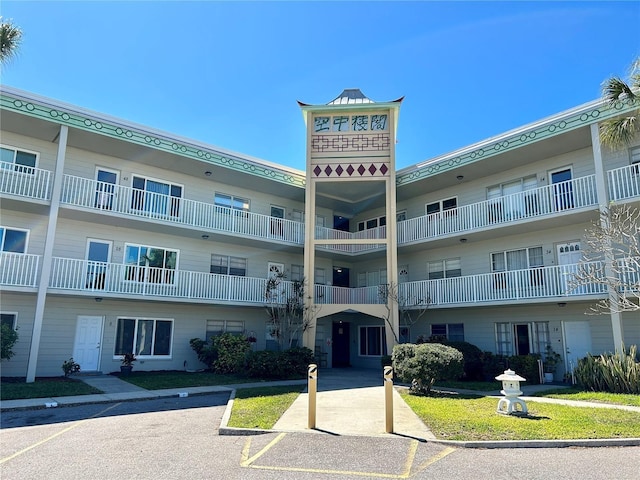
{"type": "Point", "coordinates": [176, 438]}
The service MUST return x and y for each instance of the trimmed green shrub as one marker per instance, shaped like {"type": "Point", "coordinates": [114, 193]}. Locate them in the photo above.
{"type": "Point", "coordinates": [492, 365]}
{"type": "Point", "coordinates": [8, 338]}
{"type": "Point", "coordinates": [616, 373]}
{"type": "Point", "coordinates": [472, 357]}
{"type": "Point", "coordinates": [424, 364]}
{"type": "Point", "coordinates": [207, 353]}
{"type": "Point", "coordinates": [232, 353]}
{"type": "Point", "coordinates": [291, 363]}
{"type": "Point", "coordinates": [526, 366]}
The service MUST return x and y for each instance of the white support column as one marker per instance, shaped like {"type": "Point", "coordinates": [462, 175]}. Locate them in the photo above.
{"type": "Point", "coordinates": [603, 204]}
{"type": "Point", "coordinates": [43, 283]}
{"type": "Point", "coordinates": [309, 335]}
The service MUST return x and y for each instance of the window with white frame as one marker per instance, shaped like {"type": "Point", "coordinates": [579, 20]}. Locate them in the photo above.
{"type": "Point", "coordinates": [523, 259]}
{"type": "Point", "coordinates": [401, 216]}
{"type": "Point", "coordinates": [231, 202]}
{"type": "Point", "coordinates": [9, 319]}
{"type": "Point", "coordinates": [218, 327]}
{"type": "Point", "coordinates": [442, 205]}
{"type": "Point", "coordinates": [156, 196]}
{"type": "Point", "coordinates": [228, 265]}
{"type": "Point", "coordinates": [18, 160]}
{"type": "Point", "coordinates": [515, 206]}
{"type": "Point", "coordinates": [320, 276]}
{"type": "Point", "coordinates": [150, 264]}
{"type": "Point", "coordinates": [451, 331]}
{"type": "Point", "coordinates": [144, 337]}
{"type": "Point", "coordinates": [446, 268]}
{"type": "Point", "coordinates": [521, 338]}
{"type": "Point", "coordinates": [13, 240]}
{"type": "Point", "coordinates": [372, 341]}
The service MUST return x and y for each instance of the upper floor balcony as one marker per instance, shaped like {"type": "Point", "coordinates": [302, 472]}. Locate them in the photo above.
{"type": "Point", "coordinates": [83, 277]}
{"type": "Point", "coordinates": [527, 205]}
{"type": "Point", "coordinates": [23, 181]}
{"type": "Point", "coordinates": [126, 202]}
{"type": "Point", "coordinates": [624, 183]}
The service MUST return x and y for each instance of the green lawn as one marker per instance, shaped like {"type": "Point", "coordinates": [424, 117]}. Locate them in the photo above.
{"type": "Point", "coordinates": [465, 417]}
{"type": "Point", "coordinates": [262, 407]}
{"type": "Point", "coordinates": [13, 389]}
{"type": "Point", "coordinates": [598, 397]}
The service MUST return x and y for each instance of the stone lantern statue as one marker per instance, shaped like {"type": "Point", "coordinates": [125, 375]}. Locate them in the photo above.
{"type": "Point", "coordinates": [510, 390]}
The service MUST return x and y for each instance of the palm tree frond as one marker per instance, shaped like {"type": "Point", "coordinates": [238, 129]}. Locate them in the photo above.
{"type": "Point", "coordinates": [10, 39]}
{"type": "Point", "coordinates": [615, 89]}
{"type": "Point", "coordinates": [618, 132]}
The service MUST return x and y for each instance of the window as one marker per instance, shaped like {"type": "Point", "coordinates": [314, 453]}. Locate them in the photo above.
{"type": "Point", "coordinates": [372, 223]}
{"type": "Point", "coordinates": [227, 265]}
{"type": "Point", "coordinates": [218, 327]}
{"type": "Point", "coordinates": [405, 335]}
{"type": "Point", "coordinates": [401, 216]}
{"type": "Point", "coordinates": [635, 160]}
{"type": "Point", "coordinates": [372, 342]}
{"type": "Point", "coordinates": [9, 319]}
{"type": "Point", "coordinates": [521, 338]}
{"type": "Point", "coordinates": [152, 196]}
{"type": "Point", "coordinates": [523, 259]}
{"type": "Point", "coordinates": [444, 268]}
{"type": "Point", "coordinates": [320, 277]}
{"type": "Point", "coordinates": [515, 206]}
{"type": "Point", "coordinates": [144, 337]}
{"type": "Point", "coordinates": [297, 273]}
{"type": "Point", "coordinates": [231, 202]}
{"type": "Point", "coordinates": [442, 205]}
{"type": "Point", "coordinates": [13, 240]}
{"type": "Point", "coordinates": [150, 264]}
{"type": "Point", "coordinates": [451, 331]}
{"type": "Point", "coordinates": [17, 160]}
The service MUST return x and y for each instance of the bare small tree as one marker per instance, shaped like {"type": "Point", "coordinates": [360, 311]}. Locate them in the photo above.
{"type": "Point", "coordinates": [289, 317]}
{"type": "Point", "coordinates": [407, 304]}
{"type": "Point", "coordinates": [612, 259]}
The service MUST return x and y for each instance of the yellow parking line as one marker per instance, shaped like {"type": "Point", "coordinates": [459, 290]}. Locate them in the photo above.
{"type": "Point", "coordinates": [248, 462]}
{"type": "Point", "coordinates": [435, 459]}
{"type": "Point", "coordinates": [71, 427]}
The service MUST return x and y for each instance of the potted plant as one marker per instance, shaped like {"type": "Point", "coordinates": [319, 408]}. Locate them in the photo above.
{"type": "Point", "coordinates": [127, 363]}
{"type": "Point", "coordinates": [550, 362]}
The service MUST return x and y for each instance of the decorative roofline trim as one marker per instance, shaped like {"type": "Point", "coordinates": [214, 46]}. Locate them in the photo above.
{"type": "Point", "coordinates": [542, 129]}
{"type": "Point", "coordinates": [65, 114]}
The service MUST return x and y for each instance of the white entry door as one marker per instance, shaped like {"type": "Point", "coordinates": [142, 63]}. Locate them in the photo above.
{"type": "Point", "coordinates": [86, 350]}
{"type": "Point", "coordinates": [569, 255]}
{"type": "Point", "coordinates": [577, 341]}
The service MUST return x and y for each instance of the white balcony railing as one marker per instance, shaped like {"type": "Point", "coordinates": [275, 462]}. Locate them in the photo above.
{"type": "Point", "coordinates": [25, 181]}
{"type": "Point", "coordinates": [538, 202]}
{"type": "Point", "coordinates": [114, 278]}
{"type": "Point", "coordinates": [19, 269]}
{"type": "Point", "coordinates": [325, 294]}
{"type": "Point", "coordinates": [624, 182]}
{"type": "Point", "coordinates": [534, 283]}
{"type": "Point", "coordinates": [133, 202]}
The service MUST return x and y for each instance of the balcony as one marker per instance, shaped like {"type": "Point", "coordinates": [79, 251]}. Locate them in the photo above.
{"type": "Point", "coordinates": [624, 183]}
{"type": "Point", "coordinates": [143, 204]}
{"type": "Point", "coordinates": [23, 181]}
{"type": "Point", "coordinates": [541, 283]}
{"type": "Point", "coordinates": [324, 233]}
{"type": "Point", "coordinates": [18, 269]}
{"type": "Point", "coordinates": [326, 295]}
{"type": "Point", "coordinates": [529, 204]}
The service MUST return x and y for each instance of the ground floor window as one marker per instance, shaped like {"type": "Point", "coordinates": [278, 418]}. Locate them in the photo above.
{"type": "Point", "coordinates": [8, 319]}
{"type": "Point", "coordinates": [218, 327]}
{"type": "Point", "coordinates": [521, 338]}
{"type": "Point", "coordinates": [144, 337]}
{"type": "Point", "coordinates": [372, 341]}
{"type": "Point", "coordinates": [453, 332]}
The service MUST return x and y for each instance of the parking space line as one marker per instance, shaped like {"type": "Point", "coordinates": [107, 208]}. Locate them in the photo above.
{"type": "Point", "coordinates": [247, 462]}
{"type": "Point", "coordinates": [45, 440]}
{"type": "Point", "coordinates": [434, 459]}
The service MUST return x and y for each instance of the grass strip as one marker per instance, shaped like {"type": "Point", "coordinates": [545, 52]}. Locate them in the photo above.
{"type": "Point", "coordinates": [597, 397]}
{"type": "Point", "coordinates": [44, 387]}
{"type": "Point", "coordinates": [474, 418]}
{"type": "Point", "coordinates": [262, 407]}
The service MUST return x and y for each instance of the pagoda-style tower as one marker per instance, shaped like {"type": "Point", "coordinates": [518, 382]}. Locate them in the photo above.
{"type": "Point", "coordinates": [350, 166]}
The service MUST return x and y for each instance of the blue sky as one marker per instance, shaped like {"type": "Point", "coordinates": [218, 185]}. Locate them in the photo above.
{"type": "Point", "coordinates": [229, 73]}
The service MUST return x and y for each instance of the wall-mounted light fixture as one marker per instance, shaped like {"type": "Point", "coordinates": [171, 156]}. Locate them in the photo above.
{"type": "Point", "coordinates": [460, 177]}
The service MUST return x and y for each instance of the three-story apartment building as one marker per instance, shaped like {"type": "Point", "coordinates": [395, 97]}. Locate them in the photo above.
{"type": "Point", "coordinates": [118, 238]}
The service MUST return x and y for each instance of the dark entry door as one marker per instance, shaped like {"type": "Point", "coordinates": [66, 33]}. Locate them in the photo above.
{"type": "Point", "coordinates": [340, 349]}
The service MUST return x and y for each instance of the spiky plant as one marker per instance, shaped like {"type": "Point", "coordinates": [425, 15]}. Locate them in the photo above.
{"type": "Point", "coordinates": [10, 39]}
{"type": "Point", "coordinates": [620, 131]}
